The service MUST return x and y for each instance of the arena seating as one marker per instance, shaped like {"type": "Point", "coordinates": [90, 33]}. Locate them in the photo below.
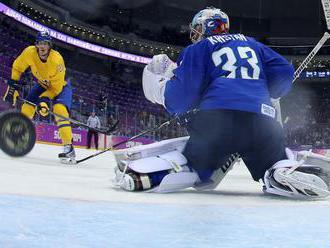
{"type": "Point", "coordinates": [115, 96]}
{"type": "Point", "coordinates": [119, 96]}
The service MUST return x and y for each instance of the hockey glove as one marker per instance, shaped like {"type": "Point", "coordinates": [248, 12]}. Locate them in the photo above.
{"type": "Point", "coordinates": [163, 65]}
{"type": "Point", "coordinates": [154, 86]}
{"type": "Point", "coordinates": [43, 108]}
{"type": "Point", "coordinates": [12, 93]}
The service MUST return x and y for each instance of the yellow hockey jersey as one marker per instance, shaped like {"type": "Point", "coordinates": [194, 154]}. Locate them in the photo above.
{"type": "Point", "coordinates": [50, 74]}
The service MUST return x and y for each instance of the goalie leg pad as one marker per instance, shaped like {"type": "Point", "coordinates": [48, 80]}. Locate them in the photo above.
{"type": "Point", "coordinates": [174, 182]}
{"type": "Point", "coordinates": [151, 150]}
{"type": "Point", "coordinates": [312, 158]}
{"type": "Point", "coordinates": [168, 161]}
{"type": "Point", "coordinates": [148, 172]}
{"type": "Point", "coordinates": [171, 182]}
{"type": "Point", "coordinates": [297, 179]}
{"type": "Point", "coordinates": [308, 184]}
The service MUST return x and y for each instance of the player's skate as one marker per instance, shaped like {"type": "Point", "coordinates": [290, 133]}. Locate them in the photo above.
{"type": "Point", "coordinates": [131, 181]}
{"type": "Point", "coordinates": [68, 156]}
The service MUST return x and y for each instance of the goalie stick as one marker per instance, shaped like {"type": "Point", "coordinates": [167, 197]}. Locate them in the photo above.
{"type": "Point", "coordinates": [125, 141]}
{"type": "Point", "coordinates": [181, 119]}
{"type": "Point", "coordinates": [298, 71]}
{"type": "Point", "coordinates": [323, 40]}
{"type": "Point", "coordinates": [310, 56]}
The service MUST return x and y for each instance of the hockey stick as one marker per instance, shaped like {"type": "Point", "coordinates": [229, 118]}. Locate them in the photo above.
{"type": "Point", "coordinates": [298, 71]}
{"type": "Point", "coordinates": [180, 119]}
{"type": "Point", "coordinates": [108, 131]}
{"type": "Point", "coordinates": [130, 139]}
{"type": "Point", "coordinates": [310, 56]}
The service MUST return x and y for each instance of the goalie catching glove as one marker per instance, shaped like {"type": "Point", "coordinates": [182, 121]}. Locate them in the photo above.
{"type": "Point", "coordinates": [12, 92]}
{"type": "Point", "coordinates": [155, 75]}
{"type": "Point", "coordinates": [163, 65]}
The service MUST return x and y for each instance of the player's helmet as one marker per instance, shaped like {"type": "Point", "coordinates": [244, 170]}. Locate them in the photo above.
{"type": "Point", "coordinates": [207, 22]}
{"type": "Point", "coordinates": [44, 36]}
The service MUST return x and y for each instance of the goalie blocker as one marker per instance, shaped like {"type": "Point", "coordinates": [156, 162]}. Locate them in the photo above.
{"type": "Point", "coordinates": [161, 167]}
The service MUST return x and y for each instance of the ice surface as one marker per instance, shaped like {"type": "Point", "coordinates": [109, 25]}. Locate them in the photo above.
{"type": "Point", "coordinates": [46, 204]}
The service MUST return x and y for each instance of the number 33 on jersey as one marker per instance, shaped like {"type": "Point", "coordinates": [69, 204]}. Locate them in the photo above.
{"type": "Point", "coordinates": [230, 71]}
{"type": "Point", "coordinates": [227, 59]}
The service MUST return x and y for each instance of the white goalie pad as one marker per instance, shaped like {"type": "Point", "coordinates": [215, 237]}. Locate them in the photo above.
{"type": "Point", "coordinates": [312, 158]}
{"type": "Point", "coordinates": [176, 181]}
{"type": "Point", "coordinates": [181, 176]}
{"type": "Point", "coordinates": [307, 178]}
{"type": "Point", "coordinates": [151, 150]}
{"type": "Point", "coordinates": [167, 161]}
{"type": "Point", "coordinates": [165, 155]}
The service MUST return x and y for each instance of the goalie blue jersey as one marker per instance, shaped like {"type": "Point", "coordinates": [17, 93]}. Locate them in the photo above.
{"type": "Point", "coordinates": [229, 71]}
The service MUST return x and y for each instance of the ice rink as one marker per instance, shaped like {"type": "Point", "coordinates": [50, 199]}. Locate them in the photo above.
{"type": "Point", "coordinates": [46, 204]}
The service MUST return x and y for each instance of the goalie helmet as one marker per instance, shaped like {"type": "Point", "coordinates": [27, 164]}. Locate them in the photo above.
{"type": "Point", "coordinates": [207, 22]}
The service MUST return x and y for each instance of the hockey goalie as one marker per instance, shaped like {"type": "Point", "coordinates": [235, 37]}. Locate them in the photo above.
{"type": "Point", "coordinates": [230, 79]}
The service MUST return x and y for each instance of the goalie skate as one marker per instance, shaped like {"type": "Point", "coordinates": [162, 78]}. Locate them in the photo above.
{"type": "Point", "coordinates": [131, 181]}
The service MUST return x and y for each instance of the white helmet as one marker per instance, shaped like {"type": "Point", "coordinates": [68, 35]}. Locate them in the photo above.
{"type": "Point", "coordinates": [207, 22]}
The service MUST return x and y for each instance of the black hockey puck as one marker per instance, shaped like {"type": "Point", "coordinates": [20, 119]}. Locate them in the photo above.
{"type": "Point", "coordinates": [17, 134]}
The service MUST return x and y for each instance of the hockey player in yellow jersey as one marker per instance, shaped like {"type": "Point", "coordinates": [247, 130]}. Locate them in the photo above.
{"type": "Point", "coordinates": [47, 66]}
